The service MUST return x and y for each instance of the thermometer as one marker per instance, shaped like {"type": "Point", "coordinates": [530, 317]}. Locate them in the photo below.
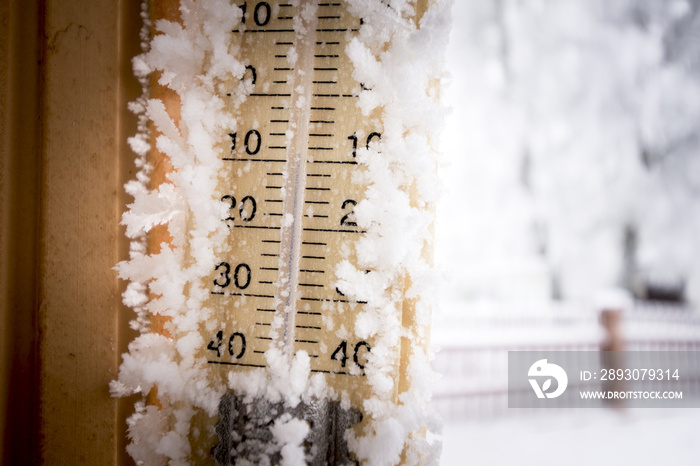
{"type": "Point", "coordinates": [288, 288]}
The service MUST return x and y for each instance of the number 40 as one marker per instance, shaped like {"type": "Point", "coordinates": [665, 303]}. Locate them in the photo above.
{"type": "Point", "coordinates": [341, 353]}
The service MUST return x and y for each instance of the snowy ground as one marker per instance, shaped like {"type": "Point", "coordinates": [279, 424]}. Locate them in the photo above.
{"type": "Point", "coordinates": [499, 436]}
{"type": "Point", "coordinates": [600, 437]}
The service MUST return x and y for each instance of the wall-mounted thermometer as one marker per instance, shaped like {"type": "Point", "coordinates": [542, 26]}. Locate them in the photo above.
{"type": "Point", "coordinates": [288, 280]}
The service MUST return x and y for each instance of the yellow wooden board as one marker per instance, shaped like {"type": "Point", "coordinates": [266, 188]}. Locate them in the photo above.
{"type": "Point", "coordinates": [65, 81]}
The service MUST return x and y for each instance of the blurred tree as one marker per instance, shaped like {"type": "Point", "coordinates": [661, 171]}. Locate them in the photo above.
{"type": "Point", "coordinates": [600, 104]}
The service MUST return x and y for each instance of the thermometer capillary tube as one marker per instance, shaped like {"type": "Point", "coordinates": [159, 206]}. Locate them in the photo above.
{"type": "Point", "coordinates": [295, 180]}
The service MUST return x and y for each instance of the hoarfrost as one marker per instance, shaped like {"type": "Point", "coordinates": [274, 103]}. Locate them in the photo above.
{"type": "Point", "coordinates": [289, 433]}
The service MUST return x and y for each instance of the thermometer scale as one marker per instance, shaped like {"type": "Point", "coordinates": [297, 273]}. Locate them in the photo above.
{"type": "Point", "coordinates": [291, 196]}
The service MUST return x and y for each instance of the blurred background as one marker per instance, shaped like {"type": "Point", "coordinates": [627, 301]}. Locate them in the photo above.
{"type": "Point", "coordinates": [572, 187]}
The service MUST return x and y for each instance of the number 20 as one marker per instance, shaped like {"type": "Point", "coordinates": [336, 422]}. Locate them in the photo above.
{"type": "Point", "coordinates": [348, 219]}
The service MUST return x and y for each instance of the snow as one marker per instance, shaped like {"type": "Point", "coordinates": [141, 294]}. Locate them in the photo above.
{"type": "Point", "coordinates": [194, 59]}
{"type": "Point", "coordinates": [290, 433]}
{"type": "Point", "coordinates": [605, 438]}
{"type": "Point", "coordinates": [570, 123]}
{"type": "Point", "coordinates": [396, 63]}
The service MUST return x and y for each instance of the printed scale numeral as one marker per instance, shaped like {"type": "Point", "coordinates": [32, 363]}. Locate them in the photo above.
{"type": "Point", "coordinates": [241, 275]}
{"type": "Point", "coordinates": [341, 353]}
{"type": "Point", "coordinates": [235, 341]}
{"type": "Point", "coordinates": [246, 209]}
{"type": "Point", "coordinates": [371, 136]}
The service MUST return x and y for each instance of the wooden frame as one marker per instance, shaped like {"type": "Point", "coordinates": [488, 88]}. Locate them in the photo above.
{"type": "Point", "coordinates": [65, 78]}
